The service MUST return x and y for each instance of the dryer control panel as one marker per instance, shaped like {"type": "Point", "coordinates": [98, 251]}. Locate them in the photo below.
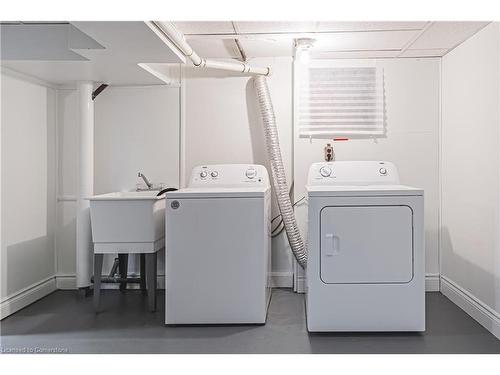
{"type": "Point", "coordinates": [353, 173]}
{"type": "Point", "coordinates": [229, 175]}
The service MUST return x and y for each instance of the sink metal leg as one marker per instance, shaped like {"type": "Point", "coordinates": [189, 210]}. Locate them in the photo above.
{"type": "Point", "coordinates": [123, 261]}
{"type": "Point", "coordinates": [98, 258]}
{"type": "Point", "coordinates": [143, 272]}
{"type": "Point", "coordinates": [151, 280]}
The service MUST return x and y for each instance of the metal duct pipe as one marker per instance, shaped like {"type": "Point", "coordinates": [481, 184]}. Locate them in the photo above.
{"type": "Point", "coordinates": [167, 30]}
{"type": "Point", "coordinates": [278, 171]}
{"type": "Point", "coordinates": [176, 37]}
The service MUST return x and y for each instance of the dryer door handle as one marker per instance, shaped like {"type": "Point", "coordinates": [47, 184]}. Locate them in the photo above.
{"type": "Point", "coordinates": [332, 245]}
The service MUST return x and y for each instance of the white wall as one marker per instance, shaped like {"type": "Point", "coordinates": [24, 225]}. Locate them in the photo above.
{"type": "Point", "coordinates": [470, 259]}
{"type": "Point", "coordinates": [412, 142]}
{"type": "Point", "coordinates": [136, 129]}
{"type": "Point", "coordinates": [27, 192]}
{"type": "Point", "coordinates": [223, 125]}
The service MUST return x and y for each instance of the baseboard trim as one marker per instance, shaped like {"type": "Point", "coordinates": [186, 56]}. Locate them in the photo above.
{"type": "Point", "coordinates": [27, 296]}
{"type": "Point", "coordinates": [281, 279]}
{"type": "Point", "coordinates": [300, 284]}
{"type": "Point", "coordinates": [66, 282]}
{"type": "Point", "coordinates": [477, 309]}
{"type": "Point", "coordinates": [432, 282]}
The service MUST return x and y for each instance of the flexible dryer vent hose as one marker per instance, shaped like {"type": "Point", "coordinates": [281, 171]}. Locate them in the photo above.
{"type": "Point", "coordinates": [278, 170]}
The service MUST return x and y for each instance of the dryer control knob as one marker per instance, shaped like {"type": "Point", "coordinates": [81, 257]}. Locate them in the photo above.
{"type": "Point", "coordinates": [325, 171]}
{"type": "Point", "coordinates": [383, 171]}
{"type": "Point", "coordinates": [203, 174]}
{"type": "Point", "coordinates": [251, 173]}
{"type": "Point", "coordinates": [214, 174]}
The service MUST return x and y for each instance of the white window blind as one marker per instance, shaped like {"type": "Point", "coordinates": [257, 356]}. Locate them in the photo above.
{"type": "Point", "coordinates": [340, 101]}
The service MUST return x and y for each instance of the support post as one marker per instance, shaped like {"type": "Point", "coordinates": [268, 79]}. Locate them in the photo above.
{"type": "Point", "coordinates": [85, 186]}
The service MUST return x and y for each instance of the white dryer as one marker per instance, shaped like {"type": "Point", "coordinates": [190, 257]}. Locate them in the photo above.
{"type": "Point", "coordinates": [218, 239]}
{"type": "Point", "coordinates": [365, 269]}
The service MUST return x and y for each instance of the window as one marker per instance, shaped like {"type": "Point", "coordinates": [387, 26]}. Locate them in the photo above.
{"type": "Point", "coordinates": [333, 100]}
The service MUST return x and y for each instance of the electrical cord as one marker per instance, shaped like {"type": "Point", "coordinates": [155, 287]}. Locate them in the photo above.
{"type": "Point", "coordinates": [280, 231]}
{"type": "Point", "coordinates": [276, 228]}
{"type": "Point", "coordinates": [166, 191]}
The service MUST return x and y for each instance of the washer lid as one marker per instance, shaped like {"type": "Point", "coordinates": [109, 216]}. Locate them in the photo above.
{"type": "Point", "coordinates": [193, 193]}
{"type": "Point", "coordinates": [362, 190]}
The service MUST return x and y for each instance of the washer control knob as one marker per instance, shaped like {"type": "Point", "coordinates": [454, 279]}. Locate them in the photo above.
{"type": "Point", "coordinates": [251, 173]}
{"type": "Point", "coordinates": [325, 171]}
{"type": "Point", "coordinates": [203, 174]}
{"type": "Point", "coordinates": [383, 171]}
{"type": "Point", "coordinates": [214, 174]}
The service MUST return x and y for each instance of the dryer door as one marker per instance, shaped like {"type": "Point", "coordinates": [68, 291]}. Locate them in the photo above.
{"type": "Point", "coordinates": [366, 244]}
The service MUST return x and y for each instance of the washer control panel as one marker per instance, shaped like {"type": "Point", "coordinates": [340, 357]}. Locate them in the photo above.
{"type": "Point", "coordinates": [353, 173]}
{"type": "Point", "coordinates": [229, 175]}
{"type": "Point", "coordinates": [325, 171]}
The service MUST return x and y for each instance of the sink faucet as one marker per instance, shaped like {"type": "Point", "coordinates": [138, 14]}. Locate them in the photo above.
{"type": "Point", "coordinates": [146, 181]}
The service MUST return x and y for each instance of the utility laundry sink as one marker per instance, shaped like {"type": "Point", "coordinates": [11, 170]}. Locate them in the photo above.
{"type": "Point", "coordinates": [128, 222]}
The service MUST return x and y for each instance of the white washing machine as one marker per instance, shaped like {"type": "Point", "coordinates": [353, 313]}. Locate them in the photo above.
{"type": "Point", "coordinates": [365, 269]}
{"type": "Point", "coordinates": [218, 241]}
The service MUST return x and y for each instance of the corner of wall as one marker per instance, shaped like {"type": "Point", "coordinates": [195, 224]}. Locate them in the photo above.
{"type": "Point", "coordinates": [466, 74]}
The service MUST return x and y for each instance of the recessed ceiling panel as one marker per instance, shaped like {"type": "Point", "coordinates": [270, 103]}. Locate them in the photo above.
{"type": "Point", "coordinates": [424, 52]}
{"type": "Point", "coordinates": [216, 48]}
{"type": "Point", "coordinates": [193, 27]}
{"type": "Point", "coordinates": [446, 34]}
{"type": "Point", "coordinates": [368, 26]}
{"type": "Point", "coordinates": [250, 27]}
{"type": "Point", "coordinates": [356, 54]}
{"type": "Point", "coordinates": [373, 40]}
{"type": "Point", "coordinates": [267, 47]}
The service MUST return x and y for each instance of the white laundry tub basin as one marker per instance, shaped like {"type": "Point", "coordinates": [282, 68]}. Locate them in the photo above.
{"type": "Point", "coordinates": [132, 222]}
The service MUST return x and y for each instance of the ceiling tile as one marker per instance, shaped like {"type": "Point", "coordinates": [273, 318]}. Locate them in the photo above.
{"type": "Point", "coordinates": [355, 54]}
{"type": "Point", "coordinates": [373, 40]}
{"type": "Point", "coordinates": [215, 48]}
{"type": "Point", "coordinates": [267, 47]}
{"type": "Point", "coordinates": [257, 27]}
{"type": "Point", "coordinates": [368, 26]}
{"type": "Point", "coordinates": [248, 27]}
{"type": "Point", "coordinates": [424, 52]}
{"type": "Point", "coordinates": [193, 27]}
{"type": "Point", "coordinates": [446, 34]}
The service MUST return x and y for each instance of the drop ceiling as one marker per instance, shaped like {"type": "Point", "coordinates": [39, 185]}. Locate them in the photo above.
{"type": "Point", "coordinates": [129, 53]}
{"type": "Point", "coordinates": [333, 39]}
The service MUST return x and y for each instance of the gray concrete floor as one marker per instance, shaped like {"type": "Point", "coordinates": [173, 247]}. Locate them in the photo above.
{"type": "Point", "coordinates": [66, 320]}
